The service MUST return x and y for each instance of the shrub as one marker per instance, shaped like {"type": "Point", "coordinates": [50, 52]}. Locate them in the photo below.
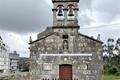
{"type": "Point", "coordinates": [106, 68]}
{"type": "Point", "coordinates": [118, 74]}
{"type": "Point", "coordinates": [113, 70]}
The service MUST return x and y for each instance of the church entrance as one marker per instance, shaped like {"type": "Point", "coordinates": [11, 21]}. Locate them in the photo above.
{"type": "Point", "coordinates": [65, 72]}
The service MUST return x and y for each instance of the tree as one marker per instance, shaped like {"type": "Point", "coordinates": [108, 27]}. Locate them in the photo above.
{"type": "Point", "coordinates": [118, 45]}
{"type": "Point", "coordinates": [23, 64]}
{"type": "Point", "coordinates": [111, 56]}
{"type": "Point", "coordinates": [24, 67]}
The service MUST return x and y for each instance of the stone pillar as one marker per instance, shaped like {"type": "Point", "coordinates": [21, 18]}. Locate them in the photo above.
{"type": "Point", "coordinates": [54, 16]}
{"type": "Point", "coordinates": [76, 15]}
{"type": "Point", "coordinates": [65, 16]}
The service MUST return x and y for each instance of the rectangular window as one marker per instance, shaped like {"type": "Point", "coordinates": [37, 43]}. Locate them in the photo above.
{"type": "Point", "coordinates": [65, 36]}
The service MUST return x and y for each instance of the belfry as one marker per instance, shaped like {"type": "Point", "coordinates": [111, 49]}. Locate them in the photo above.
{"type": "Point", "coordinates": [61, 52]}
{"type": "Point", "coordinates": [65, 13]}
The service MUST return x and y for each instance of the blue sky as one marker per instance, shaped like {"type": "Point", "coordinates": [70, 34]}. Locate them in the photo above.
{"type": "Point", "coordinates": [20, 19]}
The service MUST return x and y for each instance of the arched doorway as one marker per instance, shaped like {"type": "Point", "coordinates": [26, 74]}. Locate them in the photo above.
{"type": "Point", "coordinates": [65, 72]}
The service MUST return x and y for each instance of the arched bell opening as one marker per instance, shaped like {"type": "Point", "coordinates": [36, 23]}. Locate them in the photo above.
{"type": "Point", "coordinates": [60, 12]}
{"type": "Point", "coordinates": [71, 13]}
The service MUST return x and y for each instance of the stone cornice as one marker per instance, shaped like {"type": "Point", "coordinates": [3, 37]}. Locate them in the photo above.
{"type": "Point", "coordinates": [65, 1]}
{"type": "Point", "coordinates": [65, 27]}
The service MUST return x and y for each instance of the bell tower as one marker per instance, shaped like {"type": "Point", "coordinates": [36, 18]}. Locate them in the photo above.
{"type": "Point", "coordinates": [65, 12]}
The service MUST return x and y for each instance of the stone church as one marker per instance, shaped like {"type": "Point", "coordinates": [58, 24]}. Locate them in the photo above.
{"type": "Point", "coordinates": [61, 52]}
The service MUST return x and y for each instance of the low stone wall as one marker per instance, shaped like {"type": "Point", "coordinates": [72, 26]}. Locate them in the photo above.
{"type": "Point", "coordinates": [20, 76]}
{"type": "Point", "coordinates": [4, 76]}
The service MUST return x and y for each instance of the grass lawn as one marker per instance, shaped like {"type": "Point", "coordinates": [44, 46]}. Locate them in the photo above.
{"type": "Point", "coordinates": [111, 77]}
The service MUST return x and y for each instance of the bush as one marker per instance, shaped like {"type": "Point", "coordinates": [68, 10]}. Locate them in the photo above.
{"type": "Point", "coordinates": [113, 70]}
{"type": "Point", "coordinates": [118, 74]}
{"type": "Point", "coordinates": [106, 68]}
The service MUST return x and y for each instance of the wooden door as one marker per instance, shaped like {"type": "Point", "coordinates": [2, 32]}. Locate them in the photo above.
{"type": "Point", "coordinates": [65, 72]}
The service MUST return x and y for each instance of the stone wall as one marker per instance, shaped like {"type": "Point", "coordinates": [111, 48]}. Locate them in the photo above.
{"type": "Point", "coordinates": [84, 68]}
{"type": "Point", "coordinates": [20, 76]}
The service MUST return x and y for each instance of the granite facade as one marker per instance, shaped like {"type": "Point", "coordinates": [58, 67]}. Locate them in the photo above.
{"type": "Point", "coordinates": [61, 39]}
{"type": "Point", "coordinates": [84, 67]}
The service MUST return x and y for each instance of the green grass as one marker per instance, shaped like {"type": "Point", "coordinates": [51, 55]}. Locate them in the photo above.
{"type": "Point", "coordinates": [111, 77]}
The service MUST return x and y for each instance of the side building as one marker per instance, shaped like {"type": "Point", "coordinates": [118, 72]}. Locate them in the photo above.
{"type": "Point", "coordinates": [4, 57]}
{"type": "Point", "coordinates": [14, 59]}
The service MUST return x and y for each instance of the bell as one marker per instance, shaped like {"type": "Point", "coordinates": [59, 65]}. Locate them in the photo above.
{"type": "Point", "coordinates": [60, 13]}
{"type": "Point", "coordinates": [71, 13]}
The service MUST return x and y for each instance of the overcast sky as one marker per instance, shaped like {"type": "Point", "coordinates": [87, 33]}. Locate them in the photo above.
{"type": "Point", "coordinates": [21, 18]}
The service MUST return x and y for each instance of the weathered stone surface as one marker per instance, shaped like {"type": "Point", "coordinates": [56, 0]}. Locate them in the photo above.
{"type": "Point", "coordinates": [64, 38]}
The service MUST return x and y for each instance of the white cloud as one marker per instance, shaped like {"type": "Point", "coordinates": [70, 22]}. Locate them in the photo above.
{"type": "Point", "coordinates": [106, 10]}
{"type": "Point", "coordinates": [49, 2]}
{"type": "Point", "coordinates": [17, 42]}
{"type": "Point", "coordinates": [25, 16]}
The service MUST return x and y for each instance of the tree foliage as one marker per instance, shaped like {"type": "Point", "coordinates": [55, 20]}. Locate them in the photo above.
{"type": "Point", "coordinates": [23, 64]}
{"type": "Point", "coordinates": [111, 56]}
